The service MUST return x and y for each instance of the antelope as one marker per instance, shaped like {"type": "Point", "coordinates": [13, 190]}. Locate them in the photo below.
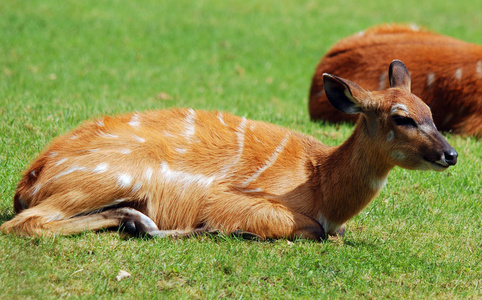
{"type": "Point", "coordinates": [181, 172]}
{"type": "Point", "coordinates": [446, 73]}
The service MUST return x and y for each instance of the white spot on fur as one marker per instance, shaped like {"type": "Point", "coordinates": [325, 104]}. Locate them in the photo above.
{"type": "Point", "coordinates": [382, 81]}
{"type": "Point", "coordinates": [60, 162]}
{"type": "Point", "coordinates": [378, 184]}
{"type": "Point", "coordinates": [74, 137]}
{"type": "Point", "coordinates": [148, 173]}
{"type": "Point", "coordinates": [185, 178]}
{"type": "Point", "coordinates": [269, 162]}
{"type": "Point", "coordinates": [458, 73]}
{"type": "Point", "coordinates": [478, 68]}
{"type": "Point", "coordinates": [107, 135]}
{"type": "Point", "coordinates": [136, 187]}
{"type": "Point", "coordinates": [138, 138]}
{"type": "Point", "coordinates": [94, 150]}
{"type": "Point", "coordinates": [100, 122]}
{"type": "Point", "coordinates": [70, 170]}
{"type": "Point", "coordinates": [414, 27]}
{"type": "Point", "coordinates": [168, 134]}
{"type": "Point", "coordinates": [390, 136]}
{"type": "Point", "coordinates": [101, 168]}
{"type": "Point", "coordinates": [430, 79]}
{"type": "Point", "coordinates": [53, 154]}
{"type": "Point", "coordinates": [256, 190]}
{"type": "Point", "coordinates": [361, 33]}
{"type": "Point", "coordinates": [221, 119]}
{"type": "Point", "coordinates": [190, 127]}
{"type": "Point", "coordinates": [33, 173]}
{"type": "Point", "coordinates": [125, 151]}
{"type": "Point", "coordinates": [135, 122]}
{"type": "Point", "coordinates": [124, 180]}
{"type": "Point", "coordinates": [399, 107]}
{"type": "Point", "coordinates": [240, 132]}
{"type": "Point", "coordinates": [36, 188]}
{"type": "Point", "coordinates": [180, 150]}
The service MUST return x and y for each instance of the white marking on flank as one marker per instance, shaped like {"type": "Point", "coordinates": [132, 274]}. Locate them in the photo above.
{"type": "Point", "coordinates": [269, 162]}
{"type": "Point", "coordinates": [135, 122]}
{"type": "Point", "coordinates": [382, 81]}
{"type": "Point", "coordinates": [148, 173]}
{"type": "Point", "coordinates": [430, 79]}
{"type": "Point", "coordinates": [36, 188]}
{"type": "Point", "coordinates": [107, 135]}
{"type": "Point", "coordinates": [101, 168]}
{"type": "Point", "coordinates": [124, 180]}
{"type": "Point", "coordinates": [94, 150]}
{"type": "Point", "coordinates": [74, 137]}
{"type": "Point", "coordinates": [185, 178]}
{"type": "Point", "coordinates": [125, 151]}
{"type": "Point", "coordinates": [256, 190]}
{"type": "Point", "coordinates": [53, 154]}
{"type": "Point", "coordinates": [168, 134]}
{"type": "Point", "coordinates": [240, 132]}
{"type": "Point", "coordinates": [478, 68]}
{"type": "Point", "coordinates": [221, 119]}
{"type": "Point", "coordinates": [398, 106]}
{"type": "Point", "coordinates": [190, 128]}
{"type": "Point", "coordinates": [138, 138]}
{"type": "Point", "coordinates": [99, 122]}
{"type": "Point", "coordinates": [136, 187]}
{"type": "Point", "coordinates": [180, 150]}
{"type": "Point", "coordinates": [458, 73]}
{"type": "Point", "coordinates": [70, 170]}
{"type": "Point", "coordinates": [60, 162]}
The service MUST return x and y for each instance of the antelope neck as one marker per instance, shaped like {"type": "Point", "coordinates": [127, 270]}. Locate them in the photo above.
{"type": "Point", "coordinates": [356, 172]}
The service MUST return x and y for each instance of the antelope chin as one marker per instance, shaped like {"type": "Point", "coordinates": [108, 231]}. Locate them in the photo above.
{"type": "Point", "coordinates": [438, 166]}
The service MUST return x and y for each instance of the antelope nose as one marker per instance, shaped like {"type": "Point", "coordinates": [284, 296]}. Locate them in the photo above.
{"type": "Point", "coordinates": [450, 157]}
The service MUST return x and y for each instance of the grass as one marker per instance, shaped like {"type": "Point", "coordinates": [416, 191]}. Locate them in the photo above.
{"type": "Point", "coordinates": [64, 62]}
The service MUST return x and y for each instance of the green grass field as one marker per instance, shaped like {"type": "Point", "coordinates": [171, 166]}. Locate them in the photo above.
{"type": "Point", "coordinates": [62, 62]}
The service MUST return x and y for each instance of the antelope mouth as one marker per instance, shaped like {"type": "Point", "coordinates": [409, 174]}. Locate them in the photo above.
{"type": "Point", "coordinates": [437, 165]}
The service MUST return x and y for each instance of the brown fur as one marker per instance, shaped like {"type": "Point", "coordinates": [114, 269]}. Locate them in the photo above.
{"type": "Point", "coordinates": [179, 172]}
{"type": "Point", "coordinates": [435, 62]}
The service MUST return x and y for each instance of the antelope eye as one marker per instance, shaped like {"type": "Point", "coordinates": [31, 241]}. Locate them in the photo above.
{"type": "Point", "coordinates": [404, 121]}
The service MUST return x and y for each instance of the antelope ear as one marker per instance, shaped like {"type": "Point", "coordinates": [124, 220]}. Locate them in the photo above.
{"type": "Point", "coordinates": [399, 76]}
{"type": "Point", "coordinates": [343, 94]}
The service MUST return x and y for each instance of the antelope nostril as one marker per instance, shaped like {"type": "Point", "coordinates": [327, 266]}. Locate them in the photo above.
{"type": "Point", "coordinates": [451, 157]}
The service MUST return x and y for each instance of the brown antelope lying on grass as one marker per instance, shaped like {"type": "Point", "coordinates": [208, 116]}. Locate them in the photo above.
{"type": "Point", "coordinates": [180, 172]}
{"type": "Point", "coordinates": [446, 73]}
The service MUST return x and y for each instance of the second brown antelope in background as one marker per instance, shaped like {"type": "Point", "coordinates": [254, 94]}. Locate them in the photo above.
{"type": "Point", "coordinates": [446, 73]}
{"type": "Point", "coordinates": [179, 172]}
